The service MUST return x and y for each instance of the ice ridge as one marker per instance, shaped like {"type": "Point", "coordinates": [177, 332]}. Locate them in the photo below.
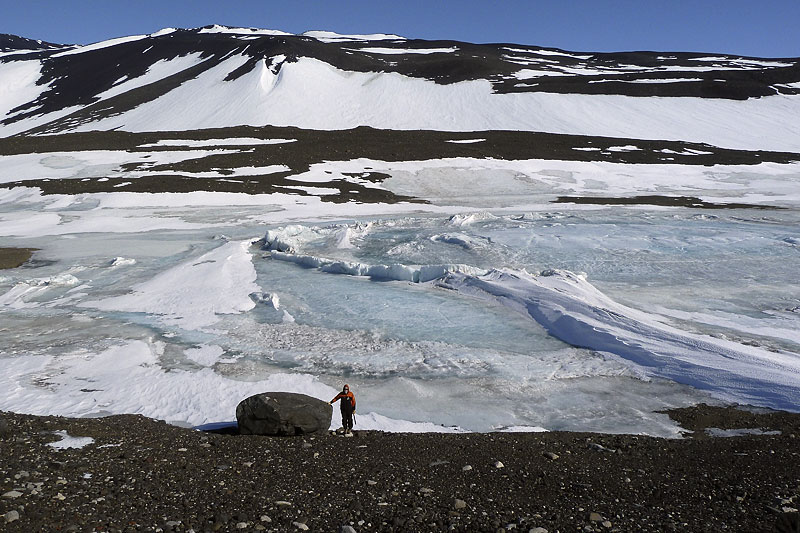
{"type": "Point", "coordinates": [574, 311]}
{"type": "Point", "coordinates": [392, 272]}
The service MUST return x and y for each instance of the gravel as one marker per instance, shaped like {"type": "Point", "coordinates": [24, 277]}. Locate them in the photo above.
{"type": "Point", "coordinates": [134, 477]}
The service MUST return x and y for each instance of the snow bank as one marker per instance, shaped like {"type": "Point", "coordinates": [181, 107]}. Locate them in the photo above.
{"type": "Point", "coordinates": [192, 294]}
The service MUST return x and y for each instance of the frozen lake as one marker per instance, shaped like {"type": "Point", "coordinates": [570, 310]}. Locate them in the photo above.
{"type": "Point", "coordinates": [572, 319]}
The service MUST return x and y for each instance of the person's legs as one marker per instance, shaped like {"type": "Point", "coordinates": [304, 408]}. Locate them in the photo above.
{"type": "Point", "coordinates": [348, 426]}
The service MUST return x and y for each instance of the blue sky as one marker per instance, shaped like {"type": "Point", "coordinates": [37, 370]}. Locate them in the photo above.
{"type": "Point", "coordinates": [766, 28]}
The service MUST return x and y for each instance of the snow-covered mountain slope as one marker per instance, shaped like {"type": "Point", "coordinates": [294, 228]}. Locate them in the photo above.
{"type": "Point", "coordinates": [214, 77]}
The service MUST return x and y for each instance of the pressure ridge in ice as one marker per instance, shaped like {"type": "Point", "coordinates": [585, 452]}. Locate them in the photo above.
{"type": "Point", "coordinates": [574, 311]}
{"type": "Point", "coordinates": [571, 309]}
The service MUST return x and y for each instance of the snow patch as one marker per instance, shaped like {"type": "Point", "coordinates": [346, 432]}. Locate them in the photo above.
{"type": "Point", "coordinates": [100, 45]}
{"type": "Point", "coordinates": [741, 432]}
{"type": "Point", "coordinates": [332, 37]}
{"type": "Point", "coordinates": [68, 441]}
{"type": "Point", "coordinates": [232, 141]}
{"type": "Point", "coordinates": [392, 51]}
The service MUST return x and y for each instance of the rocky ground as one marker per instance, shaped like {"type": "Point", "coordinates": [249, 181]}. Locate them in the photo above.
{"type": "Point", "coordinates": [143, 475]}
{"type": "Point", "coordinates": [311, 147]}
{"type": "Point", "coordinates": [14, 257]}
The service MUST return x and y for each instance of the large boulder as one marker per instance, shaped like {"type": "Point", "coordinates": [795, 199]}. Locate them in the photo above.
{"type": "Point", "coordinates": [283, 413]}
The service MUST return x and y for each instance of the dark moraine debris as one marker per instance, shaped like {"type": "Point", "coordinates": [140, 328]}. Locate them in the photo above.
{"type": "Point", "coordinates": [698, 418]}
{"type": "Point", "coordinates": [283, 413]}
{"type": "Point", "coordinates": [668, 201]}
{"type": "Point", "coordinates": [312, 147]}
{"type": "Point", "coordinates": [15, 257]}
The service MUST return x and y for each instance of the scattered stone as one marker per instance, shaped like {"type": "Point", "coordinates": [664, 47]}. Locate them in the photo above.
{"type": "Point", "coordinates": [538, 530]}
{"type": "Point", "coordinates": [11, 516]}
{"type": "Point", "coordinates": [606, 524]}
{"type": "Point", "coordinates": [282, 503]}
{"type": "Point", "coordinates": [467, 468]}
{"type": "Point", "coordinates": [371, 482]}
{"type": "Point", "coordinates": [283, 413]}
{"type": "Point", "coordinates": [551, 455]}
{"type": "Point", "coordinates": [348, 529]}
{"type": "Point", "coordinates": [301, 526]}
{"type": "Point", "coordinates": [499, 464]}
{"type": "Point", "coordinates": [600, 447]}
{"type": "Point", "coordinates": [12, 494]}
{"type": "Point", "coordinates": [241, 525]}
{"type": "Point", "coordinates": [59, 496]}
{"type": "Point", "coordinates": [459, 504]}
{"type": "Point", "coordinates": [307, 445]}
{"type": "Point", "coordinates": [595, 517]}
{"type": "Point", "coordinates": [265, 518]}
{"type": "Point", "coordinates": [425, 490]}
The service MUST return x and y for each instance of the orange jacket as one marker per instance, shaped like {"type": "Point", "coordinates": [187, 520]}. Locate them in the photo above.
{"type": "Point", "coordinates": [349, 396]}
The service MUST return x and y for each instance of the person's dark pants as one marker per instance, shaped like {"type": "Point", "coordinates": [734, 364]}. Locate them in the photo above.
{"type": "Point", "coordinates": [347, 421]}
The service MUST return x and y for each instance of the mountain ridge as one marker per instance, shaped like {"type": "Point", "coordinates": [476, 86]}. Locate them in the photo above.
{"type": "Point", "coordinates": [182, 79]}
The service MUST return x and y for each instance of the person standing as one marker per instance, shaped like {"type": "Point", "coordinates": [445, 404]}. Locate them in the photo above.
{"type": "Point", "coordinates": [347, 407]}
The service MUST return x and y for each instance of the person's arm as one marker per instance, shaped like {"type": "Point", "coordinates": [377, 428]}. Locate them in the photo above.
{"type": "Point", "coordinates": [352, 397]}
{"type": "Point", "coordinates": [335, 398]}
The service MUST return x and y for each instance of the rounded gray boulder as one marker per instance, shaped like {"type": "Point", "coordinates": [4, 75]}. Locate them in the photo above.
{"type": "Point", "coordinates": [283, 413]}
